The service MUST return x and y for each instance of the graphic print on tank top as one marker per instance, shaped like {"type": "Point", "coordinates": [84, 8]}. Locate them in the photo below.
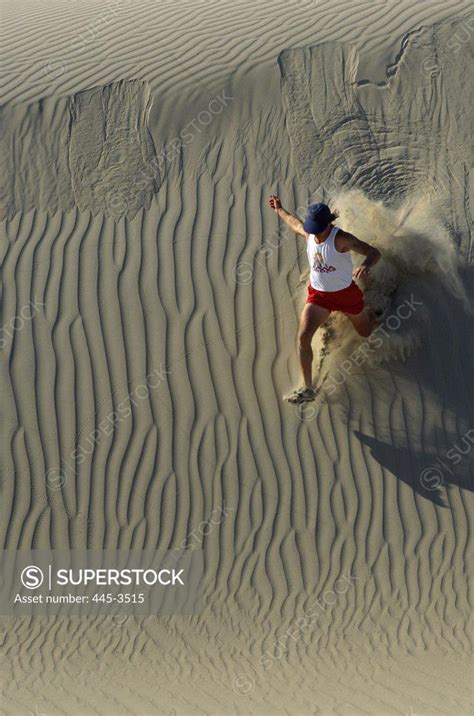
{"type": "Point", "coordinates": [331, 270]}
{"type": "Point", "coordinates": [319, 265]}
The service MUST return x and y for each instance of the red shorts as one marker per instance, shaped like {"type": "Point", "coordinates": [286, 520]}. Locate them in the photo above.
{"type": "Point", "coordinates": [348, 300]}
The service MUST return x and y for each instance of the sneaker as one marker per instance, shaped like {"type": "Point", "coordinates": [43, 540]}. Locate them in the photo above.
{"type": "Point", "coordinates": [302, 395]}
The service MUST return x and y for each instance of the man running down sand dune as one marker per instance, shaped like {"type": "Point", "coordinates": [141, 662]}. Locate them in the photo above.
{"type": "Point", "coordinates": [331, 286]}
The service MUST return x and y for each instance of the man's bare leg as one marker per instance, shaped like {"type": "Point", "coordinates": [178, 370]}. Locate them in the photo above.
{"type": "Point", "coordinates": [312, 318]}
{"type": "Point", "coordinates": [364, 322]}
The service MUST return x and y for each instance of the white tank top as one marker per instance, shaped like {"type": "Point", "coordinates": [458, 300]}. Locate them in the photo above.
{"type": "Point", "coordinates": [331, 270]}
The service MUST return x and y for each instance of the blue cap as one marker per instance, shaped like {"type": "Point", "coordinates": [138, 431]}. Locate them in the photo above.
{"type": "Point", "coordinates": [317, 218]}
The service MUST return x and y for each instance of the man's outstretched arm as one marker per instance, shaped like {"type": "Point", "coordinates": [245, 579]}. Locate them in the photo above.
{"type": "Point", "coordinates": [292, 221]}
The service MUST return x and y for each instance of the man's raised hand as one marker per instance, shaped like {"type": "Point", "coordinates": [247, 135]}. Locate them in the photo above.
{"type": "Point", "coordinates": [274, 202]}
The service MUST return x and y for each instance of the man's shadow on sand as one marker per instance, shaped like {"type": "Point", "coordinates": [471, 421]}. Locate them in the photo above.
{"type": "Point", "coordinates": [428, 475]}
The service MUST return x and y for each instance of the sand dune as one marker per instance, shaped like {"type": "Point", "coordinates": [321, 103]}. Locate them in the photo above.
{"type": "Point", "coordinates": [336, 579]}
{"type": "Point", "coordinates": [59, 50]}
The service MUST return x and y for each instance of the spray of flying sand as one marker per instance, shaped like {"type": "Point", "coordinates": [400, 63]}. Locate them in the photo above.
{"type": "Point", "coordinates": [419, 258]}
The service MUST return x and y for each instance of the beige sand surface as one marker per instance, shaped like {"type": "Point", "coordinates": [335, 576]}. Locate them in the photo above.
{"type": "Point", "coordinates": [140, 232]}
